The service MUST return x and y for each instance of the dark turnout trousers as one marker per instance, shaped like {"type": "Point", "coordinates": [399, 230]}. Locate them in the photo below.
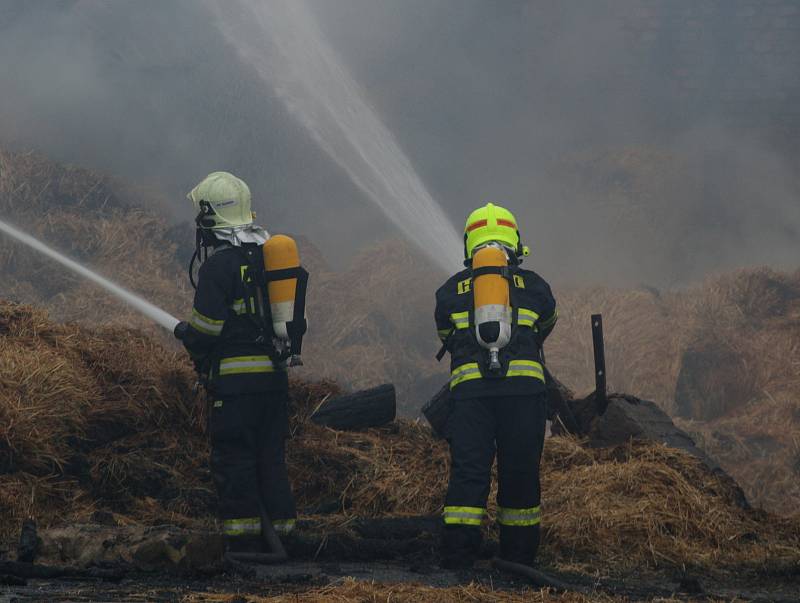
{"type": "Point", "coordinates": [513, 428]}
{"type": "Point", "coordinates": [248, 463]}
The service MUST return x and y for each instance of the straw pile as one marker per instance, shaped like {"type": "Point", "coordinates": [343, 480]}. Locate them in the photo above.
{"type": "Point", "coordinates": [642, 346]}
{"type": "Point", "coordinates": [724, 357]}
{"type": "Point", "coordinates": [646, 505]}
{"type": "Point", "coordinates": [354, 591]}
{"type": "Point", "coordinates": [625, 508]}
{"type": "Point", "coordinates": [94, 420]}
{"type": "Point", "coordinates": [750, 315]}
{"type": "Point", "coordinates": [373, 323]}
{"type": "Point", "coordinates": [751, 335]}
{"type": "Point", "coordinates": [105, 421]}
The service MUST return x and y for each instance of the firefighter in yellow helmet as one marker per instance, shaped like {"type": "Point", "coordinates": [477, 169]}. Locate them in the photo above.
{"type": "Point", "coordinates": [493, 318]}
{"type": "Point", "coordinates": [240, 348]}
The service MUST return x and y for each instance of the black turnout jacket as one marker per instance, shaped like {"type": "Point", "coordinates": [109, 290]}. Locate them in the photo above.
{"type": "Point", "coordinates": [534, 316]}
{"type": "Point", "coordinates": [223, 337]}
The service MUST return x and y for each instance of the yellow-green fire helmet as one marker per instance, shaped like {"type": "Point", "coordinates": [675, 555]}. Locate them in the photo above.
{"type": "Point", "coordinates": [492, 223]}
{"type": "Point", "coordinates": [222, 201]}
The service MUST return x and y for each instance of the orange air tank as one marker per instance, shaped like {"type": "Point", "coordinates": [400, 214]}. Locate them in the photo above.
{"type": "Point", "coordinates": [280, 253]}
{"type": "Point", "coordinates": [492, 303]}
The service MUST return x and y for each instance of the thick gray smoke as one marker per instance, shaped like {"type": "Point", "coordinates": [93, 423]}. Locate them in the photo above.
{"type": "Point", "coordinates": [637, 140]}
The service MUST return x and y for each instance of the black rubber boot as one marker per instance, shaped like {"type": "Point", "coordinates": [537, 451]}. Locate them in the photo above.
{"type": "Point", "coordinates": [460, 546]}
{"type": "Point", "coordinates": [244, 544]}
{"type": "Point", "coordinates": [519, 544]}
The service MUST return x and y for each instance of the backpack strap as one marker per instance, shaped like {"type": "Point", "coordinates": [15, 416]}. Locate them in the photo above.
{"type": "Point", "coordinates": [255, 283]}
{"type": "Point", "coordinates": [503, 271]}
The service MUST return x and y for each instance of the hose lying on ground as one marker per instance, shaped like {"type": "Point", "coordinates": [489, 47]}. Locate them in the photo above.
{"type": "Point", "coordinates": [535, 576]}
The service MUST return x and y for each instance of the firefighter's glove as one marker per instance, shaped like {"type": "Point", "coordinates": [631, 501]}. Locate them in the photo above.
{"type": "Point", "coordinates": [181, 329]}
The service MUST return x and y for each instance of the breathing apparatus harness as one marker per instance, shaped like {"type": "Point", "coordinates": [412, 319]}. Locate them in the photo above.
{"type": "Point", "coordinates": [507, 272]}
{"type": "Point", "coordinates": [256, 279]}
{"type": "Point", "coordinates": [298, 326]}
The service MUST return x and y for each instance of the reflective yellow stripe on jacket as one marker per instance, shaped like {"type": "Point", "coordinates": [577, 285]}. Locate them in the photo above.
{"type": "Point", "coordinates": [465, 372]}
{"type": "Point", "coordinates": [460, 320]}
{"type": "Point", "coordinates": [206, 325]}
{"type": "Point", "coordinates": [238, 365]}
{"type": "Point", "coordinates": [525, 368]}
{"type": "Point", "coordinates": [526, 317]}
{"type": "Point", "coordinates": [516, 368]}
{"type": "Point", "coordinates": [239, 306]}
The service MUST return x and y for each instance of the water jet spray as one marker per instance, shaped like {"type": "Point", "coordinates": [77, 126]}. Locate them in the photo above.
{"type": "Point", "coordinates": [155, 313]}
{"type": "Point", "coordinates": [283, 43]}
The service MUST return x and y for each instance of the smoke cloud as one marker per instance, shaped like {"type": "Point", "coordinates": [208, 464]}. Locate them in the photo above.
{"type": "Point", "coordinates": [638, 141]}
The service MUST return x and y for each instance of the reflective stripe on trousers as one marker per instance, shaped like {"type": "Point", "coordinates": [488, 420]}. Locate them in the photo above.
{"type": "Point", "coordinates": [246, 364]}
{"type": "Point", "coordinates": [468, 516]}
{"type": "Point", "coordinates": [245, 526]}
{"type": "Point", "coordinates": [283, 526]}
{"type": "Point", "coordinates": [519, 517]}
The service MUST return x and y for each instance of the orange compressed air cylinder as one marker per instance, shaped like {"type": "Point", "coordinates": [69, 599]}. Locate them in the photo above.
{"type": "Point", "coordinates": [280, 253]}
{"type": "Point", "coordinates": [492, 300]}
{"type": "Point", "coordinates": [490, 289]}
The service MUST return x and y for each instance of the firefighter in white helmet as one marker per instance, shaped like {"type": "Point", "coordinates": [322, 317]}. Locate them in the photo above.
{"type": "Point", "coordinates": [231, 338]}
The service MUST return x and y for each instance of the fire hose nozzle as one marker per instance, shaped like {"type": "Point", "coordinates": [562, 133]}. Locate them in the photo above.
{"type": "Point", "coordinates": [180, 330]}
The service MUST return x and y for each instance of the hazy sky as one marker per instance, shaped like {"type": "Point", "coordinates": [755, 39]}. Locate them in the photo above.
{"type": "Point", "coordinates": [549, 107]}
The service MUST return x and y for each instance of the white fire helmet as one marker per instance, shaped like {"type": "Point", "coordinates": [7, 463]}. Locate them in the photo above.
{"type": "Point", "coordinates": [222, 201]}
